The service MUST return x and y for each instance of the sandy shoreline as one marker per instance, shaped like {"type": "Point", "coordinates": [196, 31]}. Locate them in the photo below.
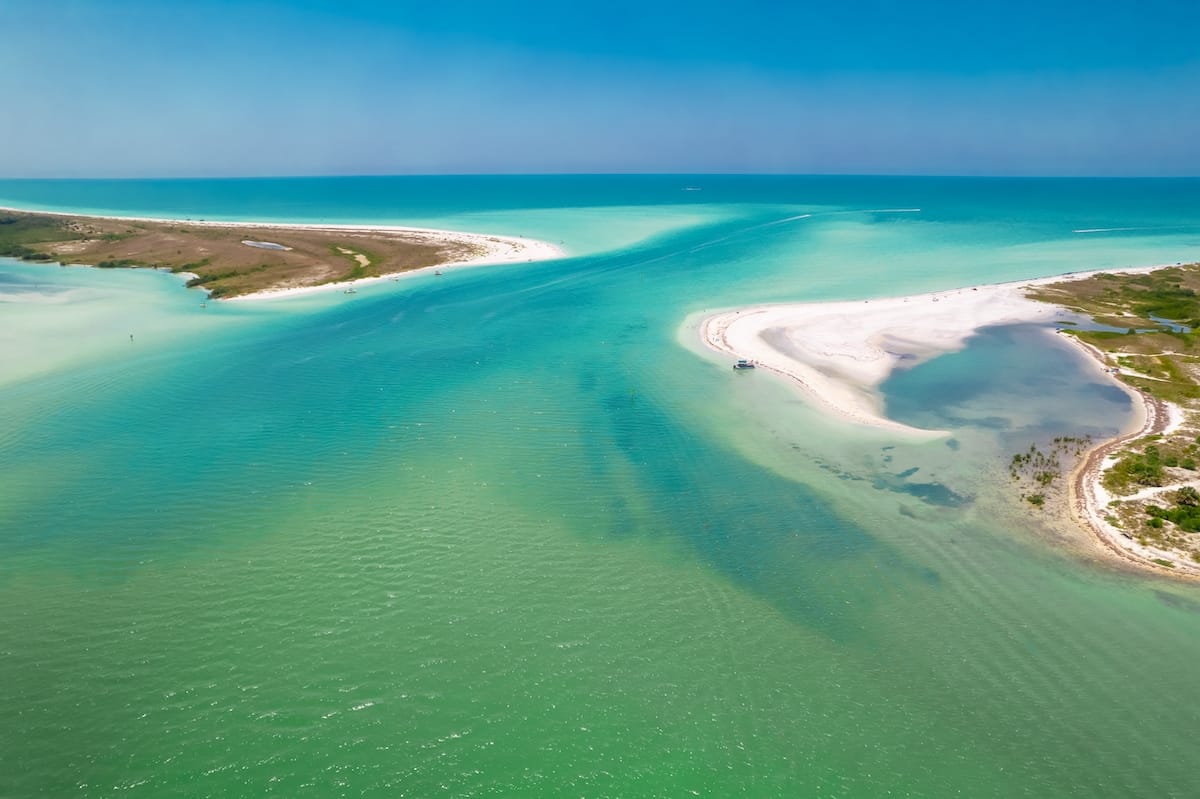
{"type": "Point", "coordinates": [495, 249]}
{"type": "Point", "coordinates": [498, 250]}
{"type": "Point", "coordinates": [1088, 500]}
{"type": "Point", "coordinates": [838, 353]}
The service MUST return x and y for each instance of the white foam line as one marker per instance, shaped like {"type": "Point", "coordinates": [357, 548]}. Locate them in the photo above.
{"type": "Point", "coordinates": [874, 211]}
{"type": "Point", "coordinates": [1120, 229]}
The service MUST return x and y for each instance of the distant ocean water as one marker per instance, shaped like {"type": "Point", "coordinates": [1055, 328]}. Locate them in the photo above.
{"type": "Point", "coordinates": [506, 532]}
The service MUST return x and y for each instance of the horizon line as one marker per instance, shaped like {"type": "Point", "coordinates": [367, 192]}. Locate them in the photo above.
{"type": "Point", "coordinates": [367, 175]}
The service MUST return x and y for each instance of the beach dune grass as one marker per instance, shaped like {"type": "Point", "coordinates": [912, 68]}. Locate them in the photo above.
{"type": "Point", "coordinates": [1136, 302]}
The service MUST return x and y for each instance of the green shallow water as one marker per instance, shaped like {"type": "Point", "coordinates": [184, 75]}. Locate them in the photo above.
{"type": "Point", "coordinates": [502, 534]}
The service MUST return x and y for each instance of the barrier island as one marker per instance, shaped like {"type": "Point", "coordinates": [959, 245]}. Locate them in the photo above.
{"type": "Point", "coordinates": [235, 259]}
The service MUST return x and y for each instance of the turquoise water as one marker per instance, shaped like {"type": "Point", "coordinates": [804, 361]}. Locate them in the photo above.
{"type": "Point", "coordinates": [509, 532]}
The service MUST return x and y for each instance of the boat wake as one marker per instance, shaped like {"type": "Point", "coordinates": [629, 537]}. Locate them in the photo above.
{"type": "Point", "coordinates": [1123, 229]}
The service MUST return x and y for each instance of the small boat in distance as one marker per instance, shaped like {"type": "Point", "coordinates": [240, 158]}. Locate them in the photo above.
{"type": "Point", "coordinates": [350, 291]}
{"type": "Point", "coordinates": [743, 364]}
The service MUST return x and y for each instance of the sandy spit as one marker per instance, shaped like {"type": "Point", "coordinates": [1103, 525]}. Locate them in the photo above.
{"type": "Point", "coordinates": [837, 353]}
{"type": "Point", "coordinates": [495, 249]}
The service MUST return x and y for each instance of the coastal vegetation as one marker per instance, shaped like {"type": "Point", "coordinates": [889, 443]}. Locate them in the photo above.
{"type": "Point", "coordinates": [1146, 323]}
{"type": "Point", "coordinates": [1041, 468]}
{"type": "Point", "coordinates": [218, 256]}
{"type": "Point", "coordinates": [1145, 331]}
{"type": "Point", "coordinates": [359, 261]}
{"type": "Point", "coordinates": [1154, 484]}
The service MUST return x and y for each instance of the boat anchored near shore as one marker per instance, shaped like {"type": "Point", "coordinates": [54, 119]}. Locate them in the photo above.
{"type": "Point", "coordinates": [743, 363]}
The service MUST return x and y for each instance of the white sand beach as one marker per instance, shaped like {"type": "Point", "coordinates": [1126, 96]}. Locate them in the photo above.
{"type": "Point", "coordinates": [838, 353]}
{"type": "Point", "coordinates": [493, 250]}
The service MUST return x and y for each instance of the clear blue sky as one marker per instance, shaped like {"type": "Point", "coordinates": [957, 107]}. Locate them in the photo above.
{"type": "Point", "coordinates": [1024, 87]}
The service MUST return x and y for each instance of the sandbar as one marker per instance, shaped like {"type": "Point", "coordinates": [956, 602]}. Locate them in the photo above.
{"type": "Point", "coordinates": [838, 353]}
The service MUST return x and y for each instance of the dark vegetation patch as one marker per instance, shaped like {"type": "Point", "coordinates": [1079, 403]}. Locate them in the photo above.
{"type": "Point", "coordinates": [1145, 463]}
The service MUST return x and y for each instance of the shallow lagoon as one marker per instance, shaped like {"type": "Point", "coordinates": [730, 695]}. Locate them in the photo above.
{"type": "Point", "coordinates": [499, 533]}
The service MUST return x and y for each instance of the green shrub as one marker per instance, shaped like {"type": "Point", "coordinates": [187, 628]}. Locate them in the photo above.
{"type": "Point", "coordinates": [1185, 517]}
{"type": "Point", "coordinates": [1145, 469]}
